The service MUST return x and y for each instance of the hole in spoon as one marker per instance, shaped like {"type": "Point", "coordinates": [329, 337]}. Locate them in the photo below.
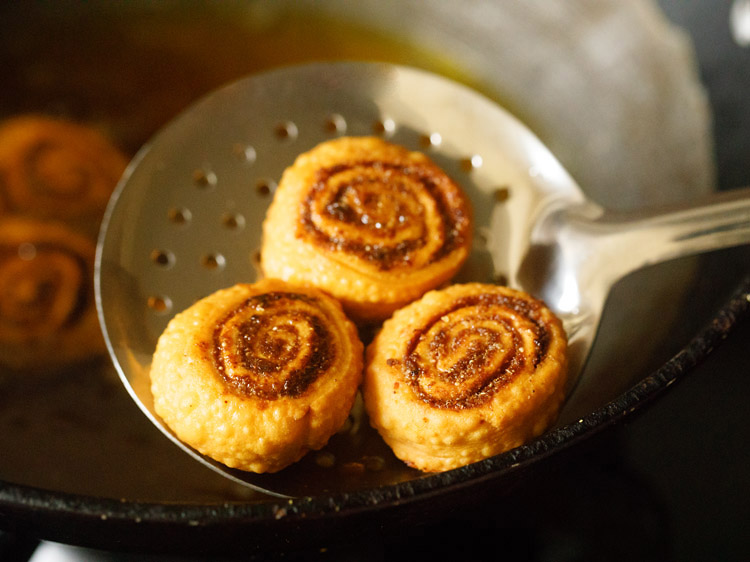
{"type": "Point", "coordinates": [334, 124]}
{"type": "Point", "coordinates": [159, 304]}
{"type": "Point", "coordinates": [471, 163]}
{"type": "Point", "coordinates": [162, 258]}
{"type": "Point", "coordinates": [244, 153]}
{"type": "Point", "coordinates": [264, 187]}
{"type": "Point", "coordinates": [384, 127]}
{"type": "Point", "coordinates": [179, 216]}
{"type": "Point", "coordinates": [233, 221]}
{"type": "Point", "coordinates": [204, 179]}
{"type": "Point", "coordinates": [432, 140]}
{"type": "Point", "coordinates": [502, 194]}
{"type": "Point", "coordinates": [213, 261]}
{"type": "Point", "coordinates": [255, 261]}
{"type": "Point", "coordinates": [286, 131]}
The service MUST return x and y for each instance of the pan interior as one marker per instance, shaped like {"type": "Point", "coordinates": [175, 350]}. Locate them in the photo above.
{"type": "Point", "coordinates": [88, 64]}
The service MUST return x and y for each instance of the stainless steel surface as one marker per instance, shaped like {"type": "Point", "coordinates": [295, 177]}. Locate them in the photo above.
{"type": "Point", "coordinates": [166, 242]}
{"type": "Point", "coordinates": [198, 167]}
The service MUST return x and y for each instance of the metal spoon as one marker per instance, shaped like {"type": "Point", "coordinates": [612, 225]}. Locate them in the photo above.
{"type": "Point", "coordinates": [185, 221]}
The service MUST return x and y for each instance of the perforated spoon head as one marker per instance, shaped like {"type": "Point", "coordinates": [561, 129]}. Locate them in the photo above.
{"type": "Point", "coordinates": [186, 218]}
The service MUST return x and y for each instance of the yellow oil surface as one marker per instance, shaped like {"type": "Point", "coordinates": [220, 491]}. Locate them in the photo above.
{"type": "Point", "coordinates": [134, 68]}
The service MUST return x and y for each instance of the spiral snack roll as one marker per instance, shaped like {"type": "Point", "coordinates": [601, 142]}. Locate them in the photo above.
{"type": "Point", "coordinates": [55, 169]}
{"type": "Point", "coordinates": [47, 312]}
{"type": "Point", "coordinates": [465, 373]}
{"type": "Point", "coordinates": [370, 222]}
{"type": "Point", "coordinates": [256, 375]}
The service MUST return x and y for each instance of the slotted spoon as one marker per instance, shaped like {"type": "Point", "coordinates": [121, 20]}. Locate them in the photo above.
{"type": "Point", "coordinates": [186, 221]}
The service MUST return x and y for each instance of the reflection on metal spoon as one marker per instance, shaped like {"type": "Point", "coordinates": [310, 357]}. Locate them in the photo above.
{"type": "Point", "coordinates": [739, 22]}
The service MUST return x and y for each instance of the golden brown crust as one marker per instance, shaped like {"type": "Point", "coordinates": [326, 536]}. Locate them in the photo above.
{"type": "Point", "coordinates": [368, 221]}
{"type": "Point", "coordinates": [465, 373]}
{"type": "Point", "coordinates": [256, 375]}
{"type": "Point", "coordinates": [51, 168]}
{"type": "Point", "coordinates": [47, 311]}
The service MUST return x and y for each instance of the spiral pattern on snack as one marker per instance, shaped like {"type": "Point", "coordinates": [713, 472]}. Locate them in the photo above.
{"type": "Point", "coordinates": [55, 169]}
{"type": "Point", "coordinates": [386, 215]}
{"type": "Point", "coordinates": [45, 287]}
{"type": "Point", "coordinates": [274, 345]}
{"type": "Point", "coordinates": [463, 355]}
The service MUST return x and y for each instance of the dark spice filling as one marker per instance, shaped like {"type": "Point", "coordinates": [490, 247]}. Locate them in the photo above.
{"type": "Point", "coordinates": [472, 387]}
{"type": "Point", "coordinates": [254, 357]}
{"type": "Point", "coordinates": [377, 249]}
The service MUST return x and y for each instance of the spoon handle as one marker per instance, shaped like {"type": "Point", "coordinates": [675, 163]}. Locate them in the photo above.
{"type": "Point", "coordinates": [597, 248]}
{"type": "Point", "coordinates": [722, 221]}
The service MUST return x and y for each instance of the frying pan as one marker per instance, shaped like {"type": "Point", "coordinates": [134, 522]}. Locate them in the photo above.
{"type": "Point", "coordinates": [165, 510]}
